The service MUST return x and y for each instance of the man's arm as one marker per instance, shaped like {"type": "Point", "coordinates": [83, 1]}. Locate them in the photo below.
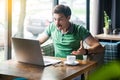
{"type": "Point", "coordinates": [43, 37]}
{"type": "Point", "coordinates": [94, 47]}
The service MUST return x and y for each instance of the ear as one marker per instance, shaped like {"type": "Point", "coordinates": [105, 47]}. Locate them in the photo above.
{"type": "Point", "coordinates": [68, 17]}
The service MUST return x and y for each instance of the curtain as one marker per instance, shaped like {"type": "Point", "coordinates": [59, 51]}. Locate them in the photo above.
{"type": "Point", "coordinates": [96, 16]}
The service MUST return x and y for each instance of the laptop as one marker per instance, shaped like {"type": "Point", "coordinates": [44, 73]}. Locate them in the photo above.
{"type": "Point", "coordinates": [29, 51]}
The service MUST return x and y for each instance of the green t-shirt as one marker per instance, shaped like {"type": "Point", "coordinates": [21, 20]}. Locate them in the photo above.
{"type": "Point", "coordinates": [64, 44]}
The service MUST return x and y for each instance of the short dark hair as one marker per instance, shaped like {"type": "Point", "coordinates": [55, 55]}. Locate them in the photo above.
{"type": "Point", "coordinates": [62, 9]}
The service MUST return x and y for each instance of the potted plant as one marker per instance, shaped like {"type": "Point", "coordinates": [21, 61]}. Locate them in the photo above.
{"type": "Point", "coordinates": [106, 23]}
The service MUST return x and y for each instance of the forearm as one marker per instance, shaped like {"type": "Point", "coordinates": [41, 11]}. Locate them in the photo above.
{"type": "Point", "coordinates": [42, 38]}
{"type": "Point", "coordinates": [91, 50]}
{"type": "Point", "coordinates": [95, 49]}
{"type": "Point", "coordinates": [94, 45]}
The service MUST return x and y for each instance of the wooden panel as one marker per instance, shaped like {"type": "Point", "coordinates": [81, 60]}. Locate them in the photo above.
{"type": "Point", "coordinates": [108, 37]}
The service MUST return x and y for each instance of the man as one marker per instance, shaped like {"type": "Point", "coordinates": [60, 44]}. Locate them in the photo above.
{"type": "Point", "coordinates": [67, 36]}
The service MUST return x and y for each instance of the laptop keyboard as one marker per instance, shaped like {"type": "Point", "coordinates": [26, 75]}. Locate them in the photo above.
{"type": "Point", "coordinates": [46, 61]}
{"type": "Point", "coordinates": [50, 60]}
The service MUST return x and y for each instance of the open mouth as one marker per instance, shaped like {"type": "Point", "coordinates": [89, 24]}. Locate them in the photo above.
{"type": "Point", "coordinates": [59, 27]}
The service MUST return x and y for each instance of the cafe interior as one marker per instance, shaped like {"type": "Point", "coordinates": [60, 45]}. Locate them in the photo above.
{"type": "Point", "coordinates": [27, 19]}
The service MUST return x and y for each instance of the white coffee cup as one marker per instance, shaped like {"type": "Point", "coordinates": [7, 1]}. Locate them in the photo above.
{"type": "Point", "coordinates": [71, 59]}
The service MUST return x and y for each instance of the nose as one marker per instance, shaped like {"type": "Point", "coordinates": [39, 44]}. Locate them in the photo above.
{"type": "Point", "coordinates": [56, 22]}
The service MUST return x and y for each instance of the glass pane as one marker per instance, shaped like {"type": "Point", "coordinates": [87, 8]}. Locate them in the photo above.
{"type": "Point", "coordinates": [78, 8]}
{"type": "Point", "coordinates": [15, 16]}
{"type": "Point", "coordinates": [30, 18]}
{"type": "Point", "coordinates": [2, 29]}
{"type": "Point", "coordinates": [38, 16]}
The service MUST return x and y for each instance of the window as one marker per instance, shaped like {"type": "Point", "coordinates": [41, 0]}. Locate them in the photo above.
{"type": "Point", "coordinates": [30, 17]}
{"type": "Point", "coordinates": [38, 16]}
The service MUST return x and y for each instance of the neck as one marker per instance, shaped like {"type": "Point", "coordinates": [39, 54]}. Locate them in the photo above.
{"type": "Point", "coordinates": [65, 30]}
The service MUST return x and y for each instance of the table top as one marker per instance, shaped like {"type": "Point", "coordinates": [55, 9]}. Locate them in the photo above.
{"type": "Point", "coordinates": [54, 72]}
{"type": "Point", "coordinates": [108, 37]}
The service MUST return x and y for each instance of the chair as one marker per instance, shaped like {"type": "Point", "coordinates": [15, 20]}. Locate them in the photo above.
{"type": "Point", "coordinates": [111, 51]}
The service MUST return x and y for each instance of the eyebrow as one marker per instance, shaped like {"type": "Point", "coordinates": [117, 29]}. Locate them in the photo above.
{"type": "Point", "coordinates": [59, 17]}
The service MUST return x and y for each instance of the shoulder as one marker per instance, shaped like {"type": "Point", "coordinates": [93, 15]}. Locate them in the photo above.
{"type": "Point", "coordinates": [81, 31]}
{"type": "Point", "coordinates": [78, 27]}
{"type": "Point", "coordinates": [52, 26]}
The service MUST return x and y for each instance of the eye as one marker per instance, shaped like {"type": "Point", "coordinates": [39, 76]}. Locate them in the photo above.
{"type": "Point", "coordinates": [54, 19]}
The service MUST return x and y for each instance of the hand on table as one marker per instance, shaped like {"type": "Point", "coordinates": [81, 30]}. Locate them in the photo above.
{"type": "Point", "coordinates": [80, 51]}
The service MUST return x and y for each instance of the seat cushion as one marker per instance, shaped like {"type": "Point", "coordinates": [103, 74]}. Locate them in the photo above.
{"type": "Point", "coordinates": [48, 48]}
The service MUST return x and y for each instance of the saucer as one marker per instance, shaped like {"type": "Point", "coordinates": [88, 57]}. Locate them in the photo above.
{"type": "Point", "coordinates": [72, 64]}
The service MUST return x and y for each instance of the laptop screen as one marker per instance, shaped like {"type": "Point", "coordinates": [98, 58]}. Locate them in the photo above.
{"type": "Point", "coordinates": [29, 51]}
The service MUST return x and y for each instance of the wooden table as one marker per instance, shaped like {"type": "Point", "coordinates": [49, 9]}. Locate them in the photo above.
{"type": "Point", "coordinates": [34, 72]}
{"type": "Point", "coordinates": [108, 37]}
